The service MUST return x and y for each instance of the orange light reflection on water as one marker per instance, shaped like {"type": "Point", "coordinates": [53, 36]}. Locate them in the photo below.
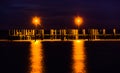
{"type": "Point", "coordinates": [78, 57]}
{"type": "Point", "coordinates": [36, 57]}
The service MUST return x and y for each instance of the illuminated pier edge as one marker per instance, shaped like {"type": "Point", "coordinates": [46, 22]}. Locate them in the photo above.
{"type": "Point", "coordinates": [63, 34]}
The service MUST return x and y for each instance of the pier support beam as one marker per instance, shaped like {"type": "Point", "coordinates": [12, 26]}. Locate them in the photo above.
{"type": "Point", "coordinates": [42, 34]}
{"type": "Point", "coordinates": [104, 32]}
{"type": "Point", "coordinates": [53, 34]}
{"type": "Point", "coordinates": [75, 33]}
{"type": "Point", "coordinates": [94, 33]}
{"type": "Point", "coordinates": [114, 31]}
{"type": "Point", "coordinates": [84, 33]}
{"type": "Point", "coordinates": [63, 34]}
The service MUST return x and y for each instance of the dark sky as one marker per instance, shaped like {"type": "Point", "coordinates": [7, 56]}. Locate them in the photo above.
{"type": "Point", "coordinates": [59, 13]}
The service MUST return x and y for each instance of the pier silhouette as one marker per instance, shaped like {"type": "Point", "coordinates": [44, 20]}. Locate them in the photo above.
{"type": "Point", "coordinates": [62, 34]}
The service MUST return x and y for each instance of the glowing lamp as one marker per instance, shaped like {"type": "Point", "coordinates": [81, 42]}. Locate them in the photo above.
{"type": "Point", "coordinates": [78, 20]}
{"type": "Point", "coordinates": [36, 20]}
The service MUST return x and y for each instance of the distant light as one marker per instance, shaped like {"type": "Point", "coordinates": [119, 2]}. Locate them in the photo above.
{"type": "Point", "coordinates": [78, 20]}
{"type": "Point", "coordinates": [36, 20]}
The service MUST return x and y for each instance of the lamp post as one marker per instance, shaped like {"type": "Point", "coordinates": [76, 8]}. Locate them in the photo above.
{"type": "Point", "coordinates": [78, 21]}
{"type": "Point", "coordinates": [36, 21]}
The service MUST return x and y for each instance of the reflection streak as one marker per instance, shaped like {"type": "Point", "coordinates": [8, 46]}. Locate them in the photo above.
{"type": "Point", "coordinates": [78, 57]}
{"type": "Point", "coordinates": [36, 57]}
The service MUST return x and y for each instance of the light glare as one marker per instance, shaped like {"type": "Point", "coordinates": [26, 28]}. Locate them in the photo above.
{"type": "Point", "coordinates": [36, 20]}
{"type": "Point", "coordinates": [78, 20]}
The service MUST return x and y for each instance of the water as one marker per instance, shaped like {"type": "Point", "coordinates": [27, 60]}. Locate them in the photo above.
{"type": "Point", "coordinates": [59, 57]}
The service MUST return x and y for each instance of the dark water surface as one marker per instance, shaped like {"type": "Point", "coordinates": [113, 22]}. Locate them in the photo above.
{"type": "Point", "coordinates": [59, 57]}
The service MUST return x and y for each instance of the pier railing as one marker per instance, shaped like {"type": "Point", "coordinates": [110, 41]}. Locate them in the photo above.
{"type": "Point", "coordinates": [63, 34]}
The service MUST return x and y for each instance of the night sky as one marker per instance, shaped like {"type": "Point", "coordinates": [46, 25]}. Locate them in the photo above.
{"type": "Point", "coordinates": [59, 13]}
